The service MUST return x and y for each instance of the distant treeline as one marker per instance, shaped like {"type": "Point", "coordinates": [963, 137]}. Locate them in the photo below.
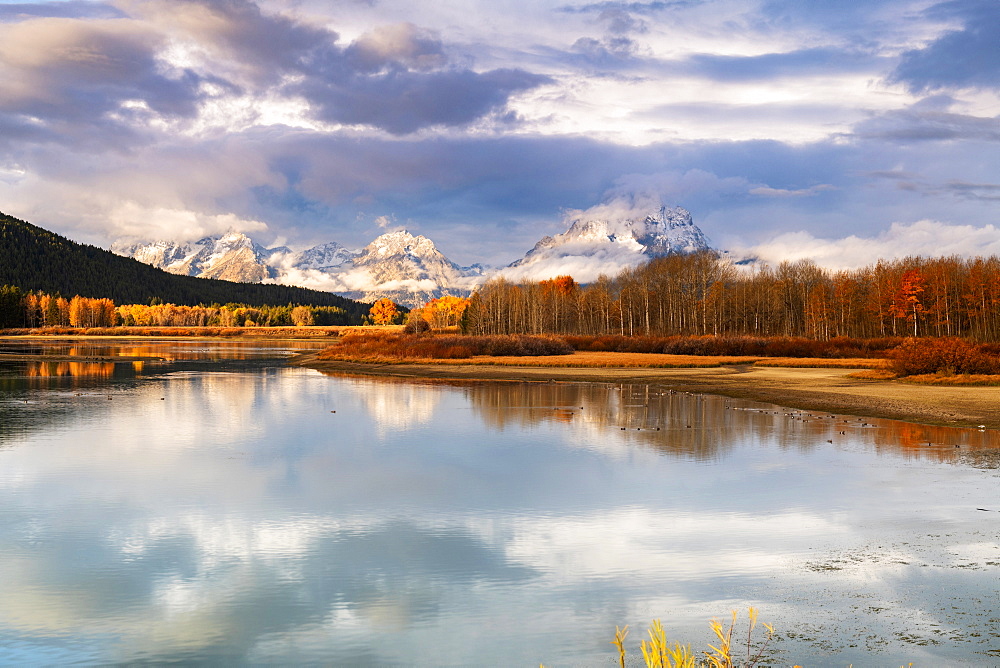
{"type": "Point", "coordinates": [702, 294]}
{"type": "Point", "coordinates": [39, 309]}
{"type": "Point", "coordinates": [34, 259]}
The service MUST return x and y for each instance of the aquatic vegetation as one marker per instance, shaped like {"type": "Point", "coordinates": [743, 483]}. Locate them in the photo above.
{"type": "Point", "coordinates": [657, 652]}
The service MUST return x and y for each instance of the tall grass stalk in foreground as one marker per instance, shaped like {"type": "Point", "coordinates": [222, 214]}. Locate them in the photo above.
{"type": "Point", "coordinates": [722, 656]}
{"type": "Point", "coordinates": [656, 653]}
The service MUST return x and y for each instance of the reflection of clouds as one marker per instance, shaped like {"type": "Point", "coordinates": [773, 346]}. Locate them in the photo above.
{"type": "Point", "coordinates": [240, 520]}
{"type": "Point", "coordinates": [396, 406]}
{"type": "Point", "coordinates": [631, 542]}
{"type": "Point", "coordinates": [198, 582]}
{"type": "Point", "coordinates": [224, 540]}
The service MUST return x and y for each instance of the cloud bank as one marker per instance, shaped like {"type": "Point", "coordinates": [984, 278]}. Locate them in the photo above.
{"type": "Point", "coordinates": [480, 126]}
{"type": "Point", "coordinates": [923, 238]}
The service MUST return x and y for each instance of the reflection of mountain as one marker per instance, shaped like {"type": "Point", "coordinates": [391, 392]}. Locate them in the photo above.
{"type": "Point", "coordinates": [397, 406]}
{"type": "Point", "coordinates": [229, 516]}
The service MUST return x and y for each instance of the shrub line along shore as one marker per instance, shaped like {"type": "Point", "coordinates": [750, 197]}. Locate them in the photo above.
{"type": "Point", "coordinates": [819, 389]}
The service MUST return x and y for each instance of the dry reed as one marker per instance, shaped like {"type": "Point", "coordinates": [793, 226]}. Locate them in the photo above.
{"type": "Point", "coordinates": [823, 363]}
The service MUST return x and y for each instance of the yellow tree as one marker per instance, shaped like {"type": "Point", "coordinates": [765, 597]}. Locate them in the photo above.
{"type": "Point", "coordinates": [444, 311]}
{"type": "Point", "coordinates": [302, 316]}
{"type": "Point", "coordinates": [383, 312]}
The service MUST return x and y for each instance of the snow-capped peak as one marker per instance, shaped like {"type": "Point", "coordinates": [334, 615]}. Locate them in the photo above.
{"type": "Point", "coordinates": [605, 241]}
{"type": "Point", "coordinates": [400, 242]}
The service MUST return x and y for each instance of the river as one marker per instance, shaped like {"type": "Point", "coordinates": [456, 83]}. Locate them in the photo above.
{"type": "Point", "coordinates": [204, 502]}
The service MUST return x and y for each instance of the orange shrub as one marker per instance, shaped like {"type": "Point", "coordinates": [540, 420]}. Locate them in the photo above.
{"type": "Point", "coordinates": [401, 346]}
{"type": "Point", "coordinates": [763, 346]}
{"type": "Point", "coordinates": [942, 355]}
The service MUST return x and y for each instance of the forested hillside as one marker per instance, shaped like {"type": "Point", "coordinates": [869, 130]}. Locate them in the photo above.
{"type": "Point", "coordinates": [35, 259]}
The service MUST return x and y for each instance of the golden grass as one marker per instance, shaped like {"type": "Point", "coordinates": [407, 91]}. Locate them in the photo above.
{"type": "Point", "coordinates": [965, 379]}
{"type": "Point", "coordinates": [607, 360]}
{"type": "Point", "coordinates": [823, 363]}
{"type": "Point", "coordinates": [657, 652]}
{"type": "Point", "coordinates": [873, 374]}
{"type": "Point", "coordinates": [590, 360]}
{"type": "Point", "coordinates": [603, 360]}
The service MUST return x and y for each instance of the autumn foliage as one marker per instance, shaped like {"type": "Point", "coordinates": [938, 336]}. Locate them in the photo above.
{"type": "Point", "coordinates": [439, 313]}
{"type": "Point", "coordinates": [705, 294]}
{"type": "Point", "coordinates": [39, 309]}
{"type": "Point", "coordinates": [379, 346]}
{"type": "Point", "coordinates": [942, 356]}
{"type": "Point", "coordinates": [384, 312]}
{"type": "Point", "coordinates": [763, 346]}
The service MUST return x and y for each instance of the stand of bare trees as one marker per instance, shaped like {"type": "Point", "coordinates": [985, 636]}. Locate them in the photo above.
{"type": "Point", "coordinates": [702, 294]}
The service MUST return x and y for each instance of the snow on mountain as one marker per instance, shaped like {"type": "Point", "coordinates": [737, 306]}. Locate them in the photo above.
{"type": "Point", "coordinates": [231, 257]}
{"type": "Point", "coordinates": [405, 268]}
{"type": "Point", "coordinates": [323, 257]}
{"type": "Point", "coordinates": [410, 269]}
{"type": "Point", "coordinates": [605, 241]}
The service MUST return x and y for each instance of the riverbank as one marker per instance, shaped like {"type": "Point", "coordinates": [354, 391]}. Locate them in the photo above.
{"type": "Point", "coordinates": [819, 389]}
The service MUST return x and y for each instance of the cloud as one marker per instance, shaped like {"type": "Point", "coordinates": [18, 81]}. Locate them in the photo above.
{"type": "Point", "coordinates": [968, 57]}
{"type": "Point", "coordinates": [399, 44]}
{"type": "Point", "coordinates": [402, 102]}
{"type": "Point", "coordinates": [970, 190]}
{"type": "Point", "coordinates": [605, 52]}
{"type": "Point", "coordinates": [15, 11]}
{"type": "Point", "coordinates": [135, 221]}
{"type": "Point", "coordinates": [620, 22]}
{"type": "Point", "coordinates": [926, 237]}
{"type": "Point", "coordinates": [819, 61]}
{"type": "Point", "coordinates": [637, 194]}
{"type": "Point", "coordinates": [55, 70]}
{"type": "Point", "coordinates": [383, 222]}
{"type": "Point", "coordinates": [765, 191]}
{"type": "Point", "coordinates": [159, 61]}
{"type": "Point", "coordinates": [632, 7]}
{"type": "Point", "coordinates": [584, 262]}
{"type": "Point", "coordinates": [917, 124]}
{"type": "Point", "coordinates": [394, 77]}
{"type": "Point", "coordinates": [234, 38]}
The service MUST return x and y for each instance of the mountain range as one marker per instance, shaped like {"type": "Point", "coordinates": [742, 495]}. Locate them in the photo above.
{"type": "Point", "coordinates": [32, 258]}
{"type": "Point", "coordinates": [410, 270]}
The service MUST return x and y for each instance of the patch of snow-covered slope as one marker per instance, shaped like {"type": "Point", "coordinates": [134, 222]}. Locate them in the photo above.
{"type": "Point", "coordinates": [598, 244]}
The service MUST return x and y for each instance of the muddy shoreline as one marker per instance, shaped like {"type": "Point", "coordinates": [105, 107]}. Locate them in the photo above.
{"type": "Point", "coordinates": [803, 388]}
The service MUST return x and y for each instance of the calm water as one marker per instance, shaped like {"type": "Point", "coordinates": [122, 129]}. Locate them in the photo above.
{"type": "Point", "coordinates": [215, 506]}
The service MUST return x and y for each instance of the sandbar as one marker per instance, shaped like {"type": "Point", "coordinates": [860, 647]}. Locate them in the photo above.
{"type": "Point", "coordinates": [818, 389]}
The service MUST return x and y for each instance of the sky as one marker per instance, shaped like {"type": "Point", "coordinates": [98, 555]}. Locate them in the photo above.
{"type": "Point", "coordinates": [840, 131]}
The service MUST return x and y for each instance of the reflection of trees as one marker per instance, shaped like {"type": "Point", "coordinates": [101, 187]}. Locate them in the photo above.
{"type": "Point", "coordinates": [26, 400]}
{"type": "Point", "coordinates": [90, 369]}
{"type": "Point", "coordinates": [187, 350]}
{"type": "Point", "coordinates": [702, 426]}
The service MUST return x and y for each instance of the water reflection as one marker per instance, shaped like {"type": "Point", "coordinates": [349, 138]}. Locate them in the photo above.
{"type": "Point", "coordinates": [258, 514]}
{"type": "Point", "coordinates": [692, 425]}
{"type": "Point", "coordinates": [166, 349]}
